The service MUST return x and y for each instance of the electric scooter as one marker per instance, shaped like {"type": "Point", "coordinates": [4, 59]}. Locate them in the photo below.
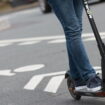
{"type": "Point", "coordinates": [101, 46]}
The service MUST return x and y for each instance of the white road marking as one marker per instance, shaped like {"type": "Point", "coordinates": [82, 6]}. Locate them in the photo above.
{"type": "Point", "coordinates": [6, 73]}
{"type": "Point", "coordinates": [29, 43]}
{"type": "Point", "coordinates": [57, 41]}
{"type": "Point", "coordinates": [35, 80]}
{"type": "Point", "coordinates": [91, 39]}
{"type": "Point", "coordinates": [54, 84]}
{"type": "Point", "coordinates": [53, 39]}
{"type": "Point", "coordinates": [98, 69]}
{"type": "Point", "coordinates": [5, 44]}
{"type": "Point", "coordinates": [86, 37]}
{"type": "Point", "coordinates": [29, 68]}
{"type": "Point", "coordinates": [31, 39]}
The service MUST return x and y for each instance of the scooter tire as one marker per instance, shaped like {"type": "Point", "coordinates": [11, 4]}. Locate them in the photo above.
{"type": "Point", "coordinates": [71, 89]}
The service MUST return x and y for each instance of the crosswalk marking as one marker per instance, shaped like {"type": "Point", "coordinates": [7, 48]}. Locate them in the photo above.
{"type": "Point", "coordinates": [54, 84]}
{"type": "Point", "coordinates": [29, 43]}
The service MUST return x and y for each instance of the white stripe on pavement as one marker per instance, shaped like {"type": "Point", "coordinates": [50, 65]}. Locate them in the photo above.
{"type": "Point", "coordinates": [57, 41]}
{"type": "Point", "coordinates": [6, 73]}
{"type": "Point", "coordinates": [34, 82]}
{"type": "Point", "coordinates": [92, 38]}
{"type": "Point", "coordinates": [98, 69]}
{"type": "Point", "coordinates": [54, 84]}
{"type": "Point", "coordinates": [29, 68]}
{"type": "Point", "coordinates": [29, 43]}
{"type": "Point", "coordinates": [53, 39]}
{"type": "Point", "coordinates": [5, 44]}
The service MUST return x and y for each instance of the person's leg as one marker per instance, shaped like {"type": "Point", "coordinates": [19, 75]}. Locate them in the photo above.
{"type": "Point", "coordinates": [64, 10]}
{"type": "Point", "coordinates": [94, 83]}
{"type": "Point", "coordinates": [78, 6]}
{"type": "Point", "coordinates": [57, 7]}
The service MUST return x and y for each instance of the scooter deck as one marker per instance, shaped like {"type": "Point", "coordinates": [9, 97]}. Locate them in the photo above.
{"type": "Point", "coordinates": [87, 93]}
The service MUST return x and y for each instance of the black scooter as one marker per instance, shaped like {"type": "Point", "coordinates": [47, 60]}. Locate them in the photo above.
{"type": "Point", "coordinates": [101, 46]}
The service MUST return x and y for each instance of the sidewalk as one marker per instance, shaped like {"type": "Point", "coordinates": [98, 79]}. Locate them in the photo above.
{"type": "Point", "coordinates": [6, 8]}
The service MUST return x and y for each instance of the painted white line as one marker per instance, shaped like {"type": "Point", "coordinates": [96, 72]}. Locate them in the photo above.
{"type": "Point", "coordinates": [55, 37]}
{"type": "Point", "coordinates": [5, 44]}
{"type": "Point", "coordinates": [91, 39]}
{"type": "Point", "coordinates": [98, 69]}
{"type": "Point", "coordinates": [35, 80]}
{"type": "Point", "coordinates": [86, 37]}
{"type": "Point", "coordinates": [29, 43]}
{"type": "Point", "coordinates": [29, 68]}
{"type": "Point", "coordinates": [57, 41]}
{"type": "Point", "coordinates": [6, 73]}
{"type": "Point", "coordinates": [53, 74]}
{"type": "Point", "coordinates": [54, 84]}
{"type": "Point", "coordinates": [33, 83]}
{"type": "Point", "coordinates": [31, 39]}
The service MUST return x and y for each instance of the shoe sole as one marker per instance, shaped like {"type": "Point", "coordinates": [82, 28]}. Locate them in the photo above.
{"type": "Point", "coordinates": [80, 88]}
{"type": "Point", "coordinates": [94, 89]}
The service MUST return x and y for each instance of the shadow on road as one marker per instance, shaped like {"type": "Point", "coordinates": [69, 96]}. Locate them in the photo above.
{"type": "Point", "coordinates": [86, 101]}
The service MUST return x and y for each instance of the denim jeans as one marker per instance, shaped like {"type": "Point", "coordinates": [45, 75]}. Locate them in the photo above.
{"type": "Point", "coordinates": [69, 13]}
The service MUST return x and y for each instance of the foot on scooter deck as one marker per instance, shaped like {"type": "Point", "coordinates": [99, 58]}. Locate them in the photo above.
{"type": "Point", "coordinates": [90, 93]}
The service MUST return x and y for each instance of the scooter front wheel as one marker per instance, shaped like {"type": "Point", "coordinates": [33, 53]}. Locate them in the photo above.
{"type": "Point", "coordinates": [71, 88]}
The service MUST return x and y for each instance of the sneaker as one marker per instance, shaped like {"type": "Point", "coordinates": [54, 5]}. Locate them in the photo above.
{"type": "Point", "coordinates": [80, 85]}
{"type": "Point", "coordinates": [94, 84]}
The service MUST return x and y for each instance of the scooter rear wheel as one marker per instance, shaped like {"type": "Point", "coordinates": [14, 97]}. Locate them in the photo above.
{"type": "Point", "coordinates": [71, 89]}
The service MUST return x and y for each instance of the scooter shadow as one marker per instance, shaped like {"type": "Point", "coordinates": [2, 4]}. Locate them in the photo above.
{"type": "Point", "coordinates": [86, 101]}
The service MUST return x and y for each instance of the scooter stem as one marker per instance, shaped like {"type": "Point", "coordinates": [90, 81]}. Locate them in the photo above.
{"type": "Point", "coordinates": [100, 43]}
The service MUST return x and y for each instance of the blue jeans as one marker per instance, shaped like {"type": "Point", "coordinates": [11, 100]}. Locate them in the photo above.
{"type": "Point", "coordinates": [69, 13]}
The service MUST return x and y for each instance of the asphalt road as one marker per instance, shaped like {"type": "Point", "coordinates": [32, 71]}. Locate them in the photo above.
{"type": "Point", "coordinates": [33, 58]}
